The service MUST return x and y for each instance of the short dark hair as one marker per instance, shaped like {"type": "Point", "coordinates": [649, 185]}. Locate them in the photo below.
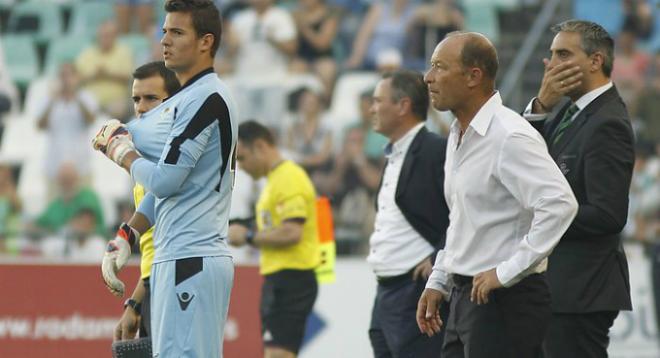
{"type": "Point", "coordinates": [205, 17]}
{"type": "Point", "coordinates": [157, 68]}
{"type": "Point", "coordinates": [251, 130]}
{"type": "Point", "coordinates": [406, 83]}
{"type": "Point", "coordinates": [594, 38]}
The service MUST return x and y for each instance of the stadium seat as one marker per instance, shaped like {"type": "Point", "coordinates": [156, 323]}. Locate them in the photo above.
{"type": "Point", "coordinates": [344, 107]}
{"type": "Point", "coordinates": [87, 16]}
{"type": "Point", "coordinates": [482, 17]}
{"type": "Point", "coordinates": [21, 58]}
{"type": "Point", "coordinates": [608, 13]}
{"type": "Point", "coordinates": [41, 19]}
{"type": "Point", "coordinates": [31, 186]}
{"type": "Point", "coordinates": [65, 49]}
{"type": "Point", "coordinates": [502, 4]}
{"type": "Point", "coordinates": [7, 4]}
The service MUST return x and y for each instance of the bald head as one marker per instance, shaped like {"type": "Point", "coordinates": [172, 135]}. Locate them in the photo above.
{"type": "Point", "coordinates": [476, 51]}
{"type": "Point", "coordinates": [462, 72]}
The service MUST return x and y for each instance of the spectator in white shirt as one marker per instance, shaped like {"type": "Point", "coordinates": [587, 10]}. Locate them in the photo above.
{"type": "Point", "coordinates": [411, 218]}
{"type": "Point", "coordinates": [66, 116]}
{"type": "Point", "coordinates": [261, 41]}
{"type": "Point", "coordinates": [509, 205]}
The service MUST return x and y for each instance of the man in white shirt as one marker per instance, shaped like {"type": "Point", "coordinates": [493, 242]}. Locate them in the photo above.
{"type": "Point", "coordinates": [591, 140]}
{"type": "Point", "coordinates": [411, 218]}
{"type": "Point", "coordinates": [508, 207]}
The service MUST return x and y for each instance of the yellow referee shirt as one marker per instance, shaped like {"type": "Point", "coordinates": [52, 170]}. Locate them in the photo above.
{"type": "Point", "coordinates": [289, 194]}
{"type": "Point", "coordinates": [146, 240]}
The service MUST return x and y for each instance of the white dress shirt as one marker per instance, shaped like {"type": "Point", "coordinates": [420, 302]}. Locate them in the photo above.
{"type": "Point", "coordinates": [395, 246]}
{"type": "Point", "coordinates": [508, 202]}
{"type": "Point", "coordinates": [581, 103]}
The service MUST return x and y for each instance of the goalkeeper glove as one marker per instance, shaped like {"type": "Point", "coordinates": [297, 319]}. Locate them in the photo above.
{"type": "Point", "coordinates": [114, 141]}
{"type": "Point", "coordinates": [115, 257]}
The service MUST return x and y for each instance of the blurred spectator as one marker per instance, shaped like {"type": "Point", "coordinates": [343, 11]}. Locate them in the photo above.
{"type": "Point", "coordinates": [127, 10]}
{"type": "Point", "coordinates": [317, 26]}
{"type": "Point", "coordinates": [10, 205]}
{"type": "Point", "coordinates": [388, 61]}
{"type": "Point", "coordinates": [84, 242]}
{"type": "Point", "coordinates": [65, 115]}
{"type": "Point", "coordinates": [106, 69]}
{"type": "Point", "coordinates": [8, 92]}
{"type": "Point", "coordinates": [352, 184]}
{"type": "Point", "coordinates": [638, 18]}
{"type": "Point", "coordinates": [124, 209]}
{"type": "Point", "coordinates": [374, 142]}
{"type": "Point", "coordinates": [431, 22]}
{"type": "Point", "coordinates": [261, 40]}
{"type": "Point", "coordinates": [71, 198]}
{"type": "Point", "coordinates": [629, 68]}
{"type": "Point", "coordinates": [384, 27]}
{"type": "Point", "coordinates": [309, 138]}
{"type": "Point", "coordinates": [648, 106]}
{"type": "Point", "coordinates": [78, 241]}
{"type": "Point", "coordinates": [644, 222]}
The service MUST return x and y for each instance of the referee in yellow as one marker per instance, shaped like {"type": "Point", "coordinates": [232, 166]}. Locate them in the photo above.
{"type": "Point", "coordinates": [152, 83]}
{"type": "Point", "coordinates": [287, 236]}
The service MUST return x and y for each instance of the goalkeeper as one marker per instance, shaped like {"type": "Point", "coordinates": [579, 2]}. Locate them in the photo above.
{"type": "Point", "coordinates": [152, 83]}
{"type": "Point", "coordinates": [188, 184]}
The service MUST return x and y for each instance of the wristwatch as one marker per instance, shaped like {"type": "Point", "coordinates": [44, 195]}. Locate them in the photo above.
{"type": "Point", "coordinates": [135, 305]}
{"type": "Point", "coordinates": [249, 237]}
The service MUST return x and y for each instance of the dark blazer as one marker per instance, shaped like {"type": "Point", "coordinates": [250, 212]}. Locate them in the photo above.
{"type": "Point", "coordinates": [420, 189]}
{"type": "Point", "coordinates": [588, 271]}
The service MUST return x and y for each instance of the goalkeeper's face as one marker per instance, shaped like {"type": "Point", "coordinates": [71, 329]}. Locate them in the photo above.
{"type": "Point", "coordinates": [182, 48]}
{"type": "Point", "coordinates": [147, 93]}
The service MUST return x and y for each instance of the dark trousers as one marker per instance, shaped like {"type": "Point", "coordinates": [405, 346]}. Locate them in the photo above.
{"type": "Point", "coordinates": [655, 278]}
{"type": "Point", "coordinates": [578, 335]}
{"type": "Point", "coordinates": [145, 310]}
{"type": "Point", "coordinates": [394, 332]}
{"type": "Point", "coordinates": [512, 323]}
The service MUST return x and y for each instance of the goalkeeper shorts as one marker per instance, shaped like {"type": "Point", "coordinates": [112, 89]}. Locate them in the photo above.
{"type": "Point", "coordinates": [189, 303]}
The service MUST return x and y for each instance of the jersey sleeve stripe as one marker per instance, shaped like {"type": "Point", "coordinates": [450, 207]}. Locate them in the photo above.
{"type": "Point", "coordinates": [214, 108]}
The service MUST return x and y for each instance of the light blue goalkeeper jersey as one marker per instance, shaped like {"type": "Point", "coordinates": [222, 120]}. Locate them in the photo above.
{"type": "Point", "coordinates": [187, 144]}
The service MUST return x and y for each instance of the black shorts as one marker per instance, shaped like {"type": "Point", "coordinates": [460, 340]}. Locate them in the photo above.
{"type": "Point", "coordinates": [145, 310]}
{"type": "Point", "coordinates": [287, 298]}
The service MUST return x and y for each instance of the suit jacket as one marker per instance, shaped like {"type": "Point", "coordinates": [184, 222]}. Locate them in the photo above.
{"type": "Point", "coordinates": [420, 189]}
{"type": "Point", "coordinates": [588, 271]}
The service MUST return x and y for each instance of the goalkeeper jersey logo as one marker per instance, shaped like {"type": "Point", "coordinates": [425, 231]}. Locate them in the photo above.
{"type": "Point", "coordinates": [184, 300]}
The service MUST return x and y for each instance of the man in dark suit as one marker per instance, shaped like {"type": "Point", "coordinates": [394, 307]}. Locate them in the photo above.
{"type": "Point", "coordinates": [411, 217]}
{"type": "Point", "coordinates": [591, 140]}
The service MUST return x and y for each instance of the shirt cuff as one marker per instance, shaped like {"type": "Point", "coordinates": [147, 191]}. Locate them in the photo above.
{"type": "Point", "coordinates": [439, 281]}
{"type": "Point", "coordinates": [533, 117]}
{"type": "Point", "coordinates": [506, 275]}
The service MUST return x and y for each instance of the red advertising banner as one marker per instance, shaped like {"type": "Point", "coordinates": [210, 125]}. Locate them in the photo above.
{"type": "Point", "coordinates": [64, 310]}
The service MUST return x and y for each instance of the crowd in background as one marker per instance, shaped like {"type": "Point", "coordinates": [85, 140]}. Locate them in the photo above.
{"type": "Point", "coordinates": [285, 61]}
